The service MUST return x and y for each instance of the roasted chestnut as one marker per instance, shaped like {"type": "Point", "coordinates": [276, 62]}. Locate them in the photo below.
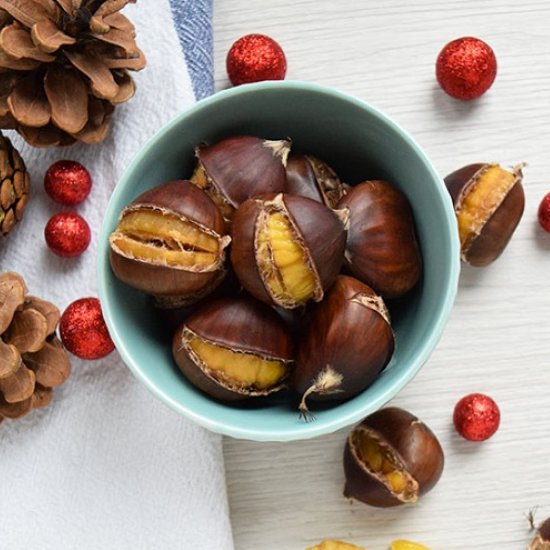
{"type": "Point", "coordinates": [541, 541]}
{"type": "Point", "coordinates": [169, 242]}
{"type": "Point", "coordinates": [287, 249]}
{"type": "Point", "coordinates": [234, 348]}
{"type": "Point", "coordinates": [240, 167]}
{"type": "Point", "coordinates": [382, 249]}
{"type": "Point", "coordinates": [391, 458]}
{"type": "Point", "coordinates": [310, 177]}
{"type": "Point", "coordinates": [346, 344]}
{"type": "Point", "coordinates": [489, 203]}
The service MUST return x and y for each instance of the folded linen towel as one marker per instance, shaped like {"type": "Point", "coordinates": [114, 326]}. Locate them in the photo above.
{"type": "Point", "coordinates": [106, 465]}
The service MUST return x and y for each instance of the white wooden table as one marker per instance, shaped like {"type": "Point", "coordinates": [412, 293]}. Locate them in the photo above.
{"type": "Point", "coordinates": [289, 496]}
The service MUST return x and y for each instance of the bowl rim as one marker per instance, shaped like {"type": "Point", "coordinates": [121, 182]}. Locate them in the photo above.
{"type": "Point", "coordinates": [311, 429]}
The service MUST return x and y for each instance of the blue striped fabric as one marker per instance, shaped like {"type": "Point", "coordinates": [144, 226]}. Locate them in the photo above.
{"type": "Point", "coordinates": [193, 21]}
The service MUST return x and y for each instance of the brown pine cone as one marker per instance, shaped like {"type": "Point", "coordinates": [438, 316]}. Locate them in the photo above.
{"type": "Point", "coordinates": [32, 358]}
{"type": "Point", "coordinates": [63, 67]}
{"type": "Point", "coordinates": [14, 186]}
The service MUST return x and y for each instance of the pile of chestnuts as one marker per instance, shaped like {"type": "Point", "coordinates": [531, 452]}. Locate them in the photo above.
{"type": "Point", "coordinates": [282, 270]}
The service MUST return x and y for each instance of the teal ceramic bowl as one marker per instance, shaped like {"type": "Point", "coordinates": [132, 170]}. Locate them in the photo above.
{"type": "Point", "coordinates": [360, 143]}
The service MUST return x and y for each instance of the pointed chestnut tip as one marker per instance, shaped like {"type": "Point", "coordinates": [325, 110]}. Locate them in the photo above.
{"type": "Point", "coordinates": [328, 381]}
{"type": "Point", "coordinates": [343, 214]}
{"type": "Point", "coordinates": [280, 148]}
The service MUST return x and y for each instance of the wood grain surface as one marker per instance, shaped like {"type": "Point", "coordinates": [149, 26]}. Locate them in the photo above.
{"type": "Point", "coordinates": [288, 496]}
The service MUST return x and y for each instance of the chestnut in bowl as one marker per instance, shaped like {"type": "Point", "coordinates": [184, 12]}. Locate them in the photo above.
{"type": "Point", "coordinates": [347, 342]}
{"type": "Point", "coordinates": [381, 247]}
{"type": "Point", "coordinates": [308, 176]}
{"type": "Point", "coordinates": [234, 348]}
{"type": "Point", "coordinates": [287, 249]}
{"type": "Point", "coordinates": [239, 167]}
{"type": "Point", "coordinates": [170, 243]}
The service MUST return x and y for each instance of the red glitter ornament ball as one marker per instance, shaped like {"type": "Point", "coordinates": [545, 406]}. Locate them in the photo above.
{"type": "Point", "coordinates": [476, 417]}
{"type": "Point", "coordinates": [67, 234]}
{"type": "Point", "coordinates": [466, 68]}
{"type": "Point", "coordinates": [544, 213]}
{"type": "Point", "coordinates": [255, 57]}
{"type": "Point", "coordinates": [67, 182]}
{"type": "Point", "coordinates": [83, 330]}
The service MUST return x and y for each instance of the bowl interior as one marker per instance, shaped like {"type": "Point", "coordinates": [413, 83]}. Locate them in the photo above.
{"type": "Point", "coordinates": [360, 143]}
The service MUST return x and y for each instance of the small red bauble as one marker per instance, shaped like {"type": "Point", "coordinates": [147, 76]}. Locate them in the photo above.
{"type": "Point", "coordinates": [67, 182]}
{"type": "Point", "coordinates": [544, 213]}
{"type": "Point", "coordinates": [83, 330]}
{"type": "Point", "coordinates": [67, 234]}
{"type": "Point", "coordinates": [255, 57]}
{"type": "Point", "coordinates": [466, 68]}
{"type": "Point", "coordinates": [476, 417]}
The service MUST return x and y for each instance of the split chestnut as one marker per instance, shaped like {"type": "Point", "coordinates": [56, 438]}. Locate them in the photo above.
{"type": "Point", "coordinates": [239, 167]}
{"type": "Point", "coordinates": [169, 243]}
{"type": "Point", "coordinates": [391, 458]}
{"type": "Point", "coordinates": [233, 348]}
{"type": "Point", "coordinates": [489, 203]}
{"type": "Point", "coordinates": [287, 249]}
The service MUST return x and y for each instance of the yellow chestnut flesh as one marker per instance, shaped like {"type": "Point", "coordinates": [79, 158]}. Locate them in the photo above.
{"type": "Point", "coordinates": [378, 458]}
{"type": "Point", "coordinates": [482, 201]}
{"type": "Point", "coordinates": [407, 545]}
{"type": "Point", "coordinates": [335, 545]}
{"type": "Point", "coordinates": [283, 261]}
{"type": "Point", "coordinates": [163, 238]}
{"type": "Point", "coordinates": [238, 369]}
{"type": "Point", "coordinates": [200, 179]}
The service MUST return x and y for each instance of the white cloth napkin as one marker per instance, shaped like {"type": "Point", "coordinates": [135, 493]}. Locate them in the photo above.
{"type": "Point", "coordinates": [106, 465]}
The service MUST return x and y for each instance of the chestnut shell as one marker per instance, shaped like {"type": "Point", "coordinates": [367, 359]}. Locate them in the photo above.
{"type": "Point", "coordinates": [243, 166]}
{"type": "Point", "coordinates": [322, 232]}
{"type": "Point", "coordinates": [500, 227]}
{"type": "Point", "coordinates": [238, 323]}
{"type": "Point", "coordinates": [411, 440]}
{"type": "Point", "coordinates": [541, 541]}
{"type": "Point", "coordinates": [310, 177]}
{"type": "Point", "coordinates": [354, 339]}
{"type": "Point", "coordinates": [382, 248]}
{"type": "Point", "coordinates": [183, 199]}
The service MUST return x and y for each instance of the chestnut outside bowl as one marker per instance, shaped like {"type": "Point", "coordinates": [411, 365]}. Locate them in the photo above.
{"type": "Point", "coordinates": [360, 143]}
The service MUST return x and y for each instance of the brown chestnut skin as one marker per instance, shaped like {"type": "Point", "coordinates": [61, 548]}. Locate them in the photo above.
{"type": "Point", "coordinates": [172, 286]}
{"type": "Point", "coordinates": [243, 326]}
{"type": "Point", "coordinates": [308, 176]}
{"type": "Point", "coordinates": [489, 202]}
{"type": "Point", "coordinates": [382, 248]}
{"type": "Point", "coordinates": [239, 167]}
{"type": "Point", "coordinates": [541, 541]}
{"type": "Point", "coordinates": [317, 231]}
{"type": "Point", "coordinates": [413, 448]}
{"type": "Point", "coordinates": [347, 343]}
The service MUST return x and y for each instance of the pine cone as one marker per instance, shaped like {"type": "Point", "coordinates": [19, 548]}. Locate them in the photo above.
{"type": "Point", "coordinates": [63, 68]}
{"type": "Point", "coordinates": [32, 358]}
{"type": "Point", "coordinates": [14, 186]}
